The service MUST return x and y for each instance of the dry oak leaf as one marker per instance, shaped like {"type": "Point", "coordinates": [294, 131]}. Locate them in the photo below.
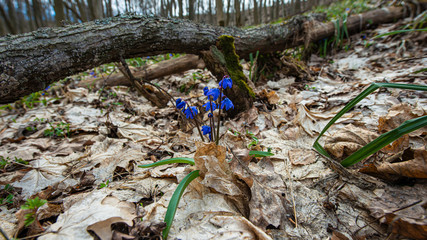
{"type": "Point", "coordinates": [397, 115]}
{"type": "Point", "coordinates": [348, 140]}
{"type": "Point", "coordinates": [413, 168]}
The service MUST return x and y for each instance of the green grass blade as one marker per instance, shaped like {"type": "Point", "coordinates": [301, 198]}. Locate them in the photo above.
{"type": "Point", "coordinates": [401, 31]}
{"type": "Point", "coordinates": [169, 161]}
{"type": "Point", "coordinates": [385, 139]}
{"type": "Point", "coordinates": [173, 203]}
{"type": "Point", "coordinates": [260, 154]}
{"type": "Point", "coordinates": [358, 98]}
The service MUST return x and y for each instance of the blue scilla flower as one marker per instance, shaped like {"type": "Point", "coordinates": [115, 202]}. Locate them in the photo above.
{"type": "Point", "coordinates": [207, 130]}
{"type": "Point", "coordinates": [210, 115]}
{"type": "Point", "coordinates": [226, 82]}
{"type": "Point", "coordinates": [208, 106]}
{"type": "Point", "coordinates": [190, 112]}
{"type": "Point", "coordinates": [179, 103]}
{"type": "Point", "coordinates": [213, 93]}
{"type": "Point", "coordinates": [227, 104]}
{"type": "Point", "coordinates": [205, 91]}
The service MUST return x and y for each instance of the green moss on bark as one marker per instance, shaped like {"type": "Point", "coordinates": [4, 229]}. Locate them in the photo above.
{"type": "Point", "coordinates": [234, 68]}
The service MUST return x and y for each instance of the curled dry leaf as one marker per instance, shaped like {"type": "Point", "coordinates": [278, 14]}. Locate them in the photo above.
{"type": "Point", "coordinates": [216, 174]}
{"type": "Point", "coordinates": [313, 122]}
{"type": "Point", "coordinates": [96, 212]}
{"type": "Point", "coordinates": [348, 140]}
{"type": "Point", "coordinates": [413, 168]}
{"type": "Point", "coordinates": [268, 205]}
{"type": "Point", "coordinates": [397, 115]}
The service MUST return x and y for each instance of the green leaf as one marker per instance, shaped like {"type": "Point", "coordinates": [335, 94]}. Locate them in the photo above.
{"type": "Point", "coordinates": [173, 203]}
{"type": "Point", "coordinates": [401, 31]}
{"type": "Point", "coordinates": [358, 98]}
{"type": "Point", "coordinates": [169, 161]}
{"type": "Point", "coordinates": [260, 154]}
{"type": "Point", "coordinates": [385, 139]}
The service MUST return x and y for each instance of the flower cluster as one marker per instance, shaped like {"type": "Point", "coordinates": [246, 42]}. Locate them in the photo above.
{"type": "Point", "coordinates": [215, 100]}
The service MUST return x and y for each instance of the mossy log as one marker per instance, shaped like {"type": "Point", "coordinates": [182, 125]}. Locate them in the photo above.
{"type": "Point", "coordinates": [30, 62]}
{"type": "Point", "coordinates": [222, 60]}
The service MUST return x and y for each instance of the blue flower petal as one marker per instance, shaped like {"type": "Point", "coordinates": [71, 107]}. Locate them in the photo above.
{"type": "Point", "coordinates": [227, 104]}
{"type": "Point", "coordinates": [226, 82]}
{"type": "Point", "coordinates": [180, 104]}
{"type": "Point", "coordinates": [205, 91]}
{"type": "Point", "coordinates": [213, 93]}
{"type": "Point", "coordinates": [190, 112]}
{"type": "Point", "coordinates": [206, 130]}
{"type": "Point", "coordinates": [208, 106]}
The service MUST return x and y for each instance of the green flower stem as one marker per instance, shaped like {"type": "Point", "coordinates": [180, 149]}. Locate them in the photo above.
{"type": "Point", "coordinates": [212, 123]}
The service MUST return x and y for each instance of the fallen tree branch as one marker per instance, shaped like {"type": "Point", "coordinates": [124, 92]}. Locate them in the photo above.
{"type": "Point", "coordinates": [30, 62]}
{"type": "Point", "coordinates": [158, 70]}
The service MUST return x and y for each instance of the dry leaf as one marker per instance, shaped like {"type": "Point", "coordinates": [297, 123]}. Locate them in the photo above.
{"type": "Point", "coordinates": [95, 211]}
{"type": "Point", "coordinates": [404, 209]}
{"type": "Point", "coordinates": [413, 168]}
{"type": "Point", "coordinates": [313, 122]}
{"type": "Point", "coordinates": [44, 173]}
{"type": "Point", "coordinates": [216, 173]}
{"type": "Point", "coordinates": [348, 140]}
{"type": "Point", "coordinates": [397, 115]}
{"type": "Point", "coordinates": [299, 156]}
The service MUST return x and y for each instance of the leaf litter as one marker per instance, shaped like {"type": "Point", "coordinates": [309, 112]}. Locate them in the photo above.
{"type": "Point", "coordinates": [295, 194]}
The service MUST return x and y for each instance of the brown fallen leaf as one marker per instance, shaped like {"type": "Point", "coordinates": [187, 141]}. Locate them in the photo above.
{"type": "Point", "coordinates": [299, 156]}
{"type": "Point", "coordinates": [348, 140]}
{"type": "Point", "coordinates": [413, 168]}
{"type": "Point", "coordinates": [397, 115]}
{"type": "Point", "coordinates": [216, 174]}
{"type": "Point", "coordinates": [271, 96]}
{"type": "Point", "coordinates": [403, 208]}
{"type": "Point", "coordinates": [268, 205]}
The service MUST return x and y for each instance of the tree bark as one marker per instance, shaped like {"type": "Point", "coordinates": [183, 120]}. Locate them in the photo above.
{"type": "Point", "coordinates": [30, 62]}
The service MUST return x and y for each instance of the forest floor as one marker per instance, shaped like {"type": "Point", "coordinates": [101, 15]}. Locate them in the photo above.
{"type": "Point", "coordinates": [82, 149]}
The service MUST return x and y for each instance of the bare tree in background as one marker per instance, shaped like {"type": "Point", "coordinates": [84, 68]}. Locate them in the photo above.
{"type": "Point", "coordinates": [219, 13]}
{"type": "Point", "coordinates": [191, 13]}
{"type": "Point", "coordinates": [256, 18]}
{"type": "Point", "coordinates": [58, 6]}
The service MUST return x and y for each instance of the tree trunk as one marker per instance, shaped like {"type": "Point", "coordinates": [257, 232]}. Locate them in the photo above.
{"type": "Point", "coordinates": [59, 12]}
{"type": "Point", "coordinates": [30, 15]}
{"type": "Point", "coordinates": [227, 21]}
{"type": "Point", "coordinates": [181, 9]}
{"type": "Point", "coordinates": [82, 9]}
{"type": "Point", "coordinates": [237, 14]}
{"type": "Point", "coordinates": [191, 13]}
{"type": "Point", "coordinates": [11, 17]}
{"type": "Point", "coordinates": [30, 62]}
{"type": "Point", "coordinates": [95, 7]}
{"type": "Point", "coordinates": [256, 19]}
{"type": "Point", "coordinates": [10, 27]}
{"type": "Point", "coordinates": [220, 13]}
{"type": "Point", "coordinates": [37, 9]}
